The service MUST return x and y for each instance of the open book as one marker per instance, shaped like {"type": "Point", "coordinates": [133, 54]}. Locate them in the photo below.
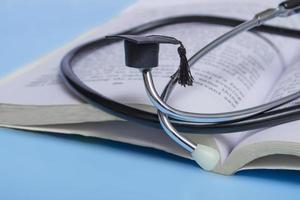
{"type": "Point", "coordinates": [246, 71]}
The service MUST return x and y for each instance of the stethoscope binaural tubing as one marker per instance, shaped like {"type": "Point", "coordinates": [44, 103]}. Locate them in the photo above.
{"type": "Point", "coordinates": [263, 120]}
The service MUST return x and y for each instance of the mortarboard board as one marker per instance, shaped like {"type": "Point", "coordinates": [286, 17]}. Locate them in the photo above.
{"type": "Point", "coordinates": [142, 52]}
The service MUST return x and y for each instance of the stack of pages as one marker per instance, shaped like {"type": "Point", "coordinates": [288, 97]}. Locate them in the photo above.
{"type": "Point", "coordinates": [249, 70]}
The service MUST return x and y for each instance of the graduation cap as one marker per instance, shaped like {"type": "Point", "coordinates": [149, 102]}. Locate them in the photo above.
{"type": "Point", "coordinates": [142, 52]}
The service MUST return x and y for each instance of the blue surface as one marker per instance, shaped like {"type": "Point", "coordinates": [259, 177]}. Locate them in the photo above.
{"type": "Point", "coordinates": [52, 166]}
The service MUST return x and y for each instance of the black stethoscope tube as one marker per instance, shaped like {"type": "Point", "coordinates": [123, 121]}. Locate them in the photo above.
{"type": "Point", "coordinates": [122, 111]}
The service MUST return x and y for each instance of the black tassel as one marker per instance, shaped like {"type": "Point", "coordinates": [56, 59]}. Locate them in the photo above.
{"type": "Point", "coordinates": [184, 76]}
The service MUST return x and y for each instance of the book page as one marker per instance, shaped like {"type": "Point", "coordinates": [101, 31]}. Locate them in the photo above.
{"type": "Point", "coordinates": [289, 53]}
{"type": "Point", "coordinates": [288, 84]}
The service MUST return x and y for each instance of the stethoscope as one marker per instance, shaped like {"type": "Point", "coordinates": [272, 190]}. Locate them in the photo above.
{"type": "Point", "coordinates": [141, 52]}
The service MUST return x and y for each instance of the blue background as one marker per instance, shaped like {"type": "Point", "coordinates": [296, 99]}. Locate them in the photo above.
{"type": "Point", "coordinates": [52, 166]}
